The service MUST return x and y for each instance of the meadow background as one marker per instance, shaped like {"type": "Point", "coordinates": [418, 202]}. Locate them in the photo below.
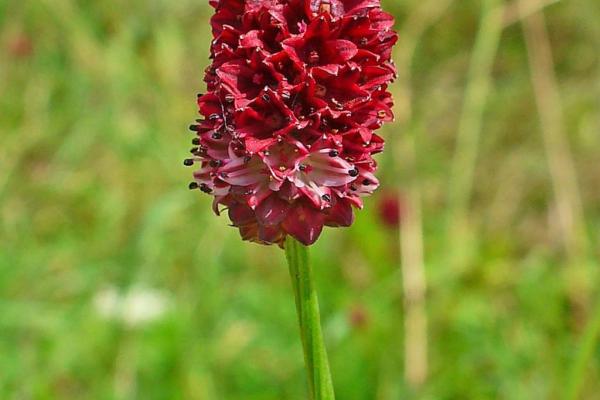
{"type": "Point", "coordinates": [116, 282]}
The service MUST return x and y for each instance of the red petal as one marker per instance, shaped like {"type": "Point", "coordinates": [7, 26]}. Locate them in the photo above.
{"type": "Point", "coordinates": [340, 214]}
{"type": "Point", "coordinates": [251, 40]}
{"type": "Point", "coordinates": [340, 50]}
{"type": "Point", "coordinates": [272, 210]}
{"type": "Point", "coordinates": [241, 214]}
{"type": "Point", "coordinates": [240, 172]}
{"type": "Point", "coordinates": [304, 223]}
{"type": "Point", "coordinates": [254, 145]}
{"type": "Point", "coordinates": [270, 234]}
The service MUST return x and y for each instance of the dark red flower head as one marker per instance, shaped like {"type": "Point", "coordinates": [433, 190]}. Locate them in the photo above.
{"type": "Point", "coordinates": [296, 90]}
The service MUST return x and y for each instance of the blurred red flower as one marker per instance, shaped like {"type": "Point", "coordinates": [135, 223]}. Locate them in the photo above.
{"type": "Point", "coordinates": [390, 209]}
{"type": "Point", "coordinates": [296, 90]}
{"type": "Point", "coordinates": [20, 46]}
{"type": "Point", "coordinates": [358, 317]}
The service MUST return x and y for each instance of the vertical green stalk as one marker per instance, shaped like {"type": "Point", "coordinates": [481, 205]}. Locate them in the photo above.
{"type": "Point", "coordinates": [307, 305]}
{"type": "Point", "coordinates": [475, 100]}
{"type": "Point", "coordinates": [479, 84]}
{"type": "Point", "coordinates": [589, 344]}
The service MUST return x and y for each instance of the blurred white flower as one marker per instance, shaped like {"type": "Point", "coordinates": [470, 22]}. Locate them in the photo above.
{"type": "Point", "coordinates": [138, 306]}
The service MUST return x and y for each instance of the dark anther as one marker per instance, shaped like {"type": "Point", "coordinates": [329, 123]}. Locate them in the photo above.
{"type": "Point", "coordinates": [193, 186]}
{"type": "Point", "coordinates": [194, 150]}
{"type": "Point", "coordinates": [302, 167]}
{"type": "Point", "coordinates": [213, 117]}
{"type": "Point", "coordinates": [215, 163]}
{"type": "Point", "coordinates": [353, 172]}
{"type": "Point", "coordinates": [196, 141]}
{"type": "Point", "coordinates": [204, 187]}
{"type": "Point", "coordinates": [200, 95]}
{"type": "Point", "coordinates": [217, 135]}
{"type": "Point", "coordinates": [194, 128]}
{"type": "Point", "coordinates": [266, 97]}
{"type": "Point", "coordinates": [326, 197]}
{"type": "Point", "coordinates": [353, 188]}
{"type": "Point", "coordinates": [367, 182]}
{"type": "Point", "coordinates": [334, 153]}
{"type": "Point", "coordinates": [188, 162]}
{"type": "Point", "coordinates": [247, 159]}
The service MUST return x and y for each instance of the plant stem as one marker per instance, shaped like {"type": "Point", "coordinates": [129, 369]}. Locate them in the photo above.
{"type": "Point", "coordinates": [459, 230]}
{"type": "Point", "coordinates": [307, 306]}
{"type": "Point", "coordinates": [412, 263]}
{"type": "Point", "coordinates": [587, 347]}
{"type": "Point", "coordinates": [471, 120]}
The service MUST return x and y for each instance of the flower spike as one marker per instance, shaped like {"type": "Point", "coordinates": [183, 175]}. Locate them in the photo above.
{"type": "Point", "coordinates": [295, 93]}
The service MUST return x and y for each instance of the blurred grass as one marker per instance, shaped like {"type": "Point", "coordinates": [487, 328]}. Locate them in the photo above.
{"type": "Point", "coordinates": [95, 101]}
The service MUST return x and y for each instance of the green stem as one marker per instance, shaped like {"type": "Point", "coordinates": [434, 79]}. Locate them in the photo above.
{"type": "Point", "coordinates": [477, 92]}
{"type": "Point", "coordinates": [307, 305]}
{"type": "Point", "coordinates": [589, 343]}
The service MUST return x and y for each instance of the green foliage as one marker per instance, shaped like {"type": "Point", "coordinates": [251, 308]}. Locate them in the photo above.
{"type": "Point", "coordinates": [94, 201]}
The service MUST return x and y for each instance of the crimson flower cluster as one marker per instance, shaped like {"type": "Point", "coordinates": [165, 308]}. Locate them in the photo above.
{"type": "Point", "coordinates": [295, 92]}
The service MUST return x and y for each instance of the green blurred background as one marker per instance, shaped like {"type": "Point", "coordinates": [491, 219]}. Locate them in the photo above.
{"type": "Point", "coordinates": [116, 282]}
